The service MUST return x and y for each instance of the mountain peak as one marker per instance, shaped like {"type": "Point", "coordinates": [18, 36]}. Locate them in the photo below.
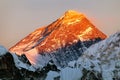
{"type": "Point", "coordinates": [71, 17]}
{"type": "Point", "coordinates": [71, 13]}
{"type": "Point", "coordinates": [59, 38]}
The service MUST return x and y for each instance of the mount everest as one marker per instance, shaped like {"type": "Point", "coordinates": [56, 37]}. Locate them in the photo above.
{"type": "Point", "coordinates": [70, 48]}
{"type": "Point", "coordinates": [62, 41]}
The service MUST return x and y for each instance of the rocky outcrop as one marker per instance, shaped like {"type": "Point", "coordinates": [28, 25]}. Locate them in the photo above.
{"type": "Point", "coordinates": [13, 67]}
{"type": "Point", "coordinates": [8, 68]}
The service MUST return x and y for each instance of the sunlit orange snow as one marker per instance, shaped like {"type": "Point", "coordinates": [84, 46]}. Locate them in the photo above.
{"type": "Point", "coordinates": [66, 30]}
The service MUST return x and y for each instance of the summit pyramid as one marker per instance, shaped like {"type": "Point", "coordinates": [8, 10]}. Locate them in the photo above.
{"type": "Point", "coordinates": [61, 41]}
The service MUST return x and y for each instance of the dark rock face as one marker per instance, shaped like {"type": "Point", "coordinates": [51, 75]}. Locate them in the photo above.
{"type": "Point", "coordinates": [8, 68]}
{"type": "Point", "coordinates": [62, 56]}
{"type": "Point", "coordinates": [24, 59]}
{"type": "Point", "coordinates": [90, 75]}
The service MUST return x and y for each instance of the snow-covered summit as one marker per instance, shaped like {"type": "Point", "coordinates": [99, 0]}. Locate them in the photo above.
{"type": "Point", "coordinates": [61, 41]}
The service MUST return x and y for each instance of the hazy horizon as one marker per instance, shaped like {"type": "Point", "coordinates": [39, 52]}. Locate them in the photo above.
{"type": "Point", "coordinates": [19, 18]}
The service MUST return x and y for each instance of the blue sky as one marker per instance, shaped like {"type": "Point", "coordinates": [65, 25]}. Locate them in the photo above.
{"type": "Point", "coordinates": [20, 17]}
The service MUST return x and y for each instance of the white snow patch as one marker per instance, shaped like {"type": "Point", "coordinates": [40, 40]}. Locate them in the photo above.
{"type": "Point", "coordinates": [72, 64]}
{"type": "Point", "coordinates": [51, 75]}
{"type": "Point", "coordinates": [70, 74]}
{"type": "Point", "coordinates": [3, 50]}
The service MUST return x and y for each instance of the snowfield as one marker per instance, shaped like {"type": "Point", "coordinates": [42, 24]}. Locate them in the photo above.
{"type": "Point", "coordinates": [100, 61]}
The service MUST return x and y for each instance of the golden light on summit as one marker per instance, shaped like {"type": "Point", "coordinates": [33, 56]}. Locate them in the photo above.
{"type": "Point", "coordinates": [65, 31]}
{"type": "Point", "coordinates": [71, 17]}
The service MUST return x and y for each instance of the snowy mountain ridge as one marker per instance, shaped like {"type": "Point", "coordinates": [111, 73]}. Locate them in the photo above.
{"type": "Point", "coordinates": [104, 58]}
{"type": "Point", "coordinates": [99, 62]}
